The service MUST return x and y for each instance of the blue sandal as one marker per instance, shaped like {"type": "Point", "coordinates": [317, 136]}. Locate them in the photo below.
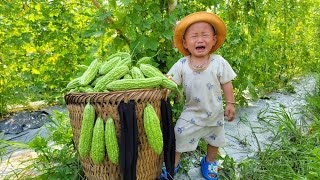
{"type": "Point", "coordinates": [208, 168]}
{"type": "Point", "coordinates": [164, 175]}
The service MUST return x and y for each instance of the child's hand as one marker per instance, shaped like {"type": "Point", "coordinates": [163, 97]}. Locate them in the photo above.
{"type": "Point", "coordinates": [230, 112]}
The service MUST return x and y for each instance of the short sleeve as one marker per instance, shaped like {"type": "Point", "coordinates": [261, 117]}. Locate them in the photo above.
{"type": "Point", "coordinates": [225, 72]}
{"type": "Point", "coordinates": [176, 71]}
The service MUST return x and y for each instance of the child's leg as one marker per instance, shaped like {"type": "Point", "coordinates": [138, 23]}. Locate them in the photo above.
{"type": "Point", "coordinates": [177, 159]}
{"type": "Point", "coordinates": [212, 152]}
{"type": "Point", "coordinates": [209, 167]}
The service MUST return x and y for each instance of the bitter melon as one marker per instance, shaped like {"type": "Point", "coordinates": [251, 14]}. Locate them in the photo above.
{"type": "Point", "coordinates": [152, 127]}
{"type": "Point", "coordinates": [108, 65]}
{"type": "Point", "coordinates": [127, 76]}
{"type": "Point", "coordinates": [114, 74]}
{"type": "Point", "coordinates": [125, 61]}
{"type": "Point", "coordinates": [136, 73]}
{"type": "Point", "coordinates": [144, 60]}
{"type": "Point", "coordinates": [119, 54]}
{"type": "Point", "coordinates": [86, 89]}
{"type": "Point", "coordinates": [74, 83]}
{"type": "Point", "coordinates": [90, 73]}
{"type": "Point", "coordinates": [112, 145]}
{"type": "Point", "coordinates": [150, 71]}
{"type": "Point", "coordinates": [127, 84]}
{"type": "Point", "coordinates": [169, 84]}
{"type": "Point", "coordinates": [97, 152]}
{"type": "Point", "coordinates": [86, 130]}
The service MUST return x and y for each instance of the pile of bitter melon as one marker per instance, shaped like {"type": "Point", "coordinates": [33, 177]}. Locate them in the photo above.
{"type": "Point", "coordinates": [118, 72]}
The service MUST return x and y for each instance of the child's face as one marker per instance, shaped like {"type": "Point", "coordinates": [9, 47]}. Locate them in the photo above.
{"type": "Point", "coordinates": [199, 39]}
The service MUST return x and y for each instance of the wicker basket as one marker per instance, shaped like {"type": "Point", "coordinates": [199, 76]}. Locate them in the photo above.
{"type": "Point", "coordinates": [149, 164]}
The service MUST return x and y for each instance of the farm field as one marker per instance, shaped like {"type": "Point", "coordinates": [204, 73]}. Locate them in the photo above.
{"type": "Point", "coordinates": [273, 47]}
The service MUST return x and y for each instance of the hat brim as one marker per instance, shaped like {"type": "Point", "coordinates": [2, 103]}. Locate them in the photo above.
{"type": "Point", "coordinates": [214, 20]}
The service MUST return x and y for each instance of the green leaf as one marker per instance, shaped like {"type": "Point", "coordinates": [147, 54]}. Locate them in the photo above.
{"type": "Point", "coordinates": [38, 143]}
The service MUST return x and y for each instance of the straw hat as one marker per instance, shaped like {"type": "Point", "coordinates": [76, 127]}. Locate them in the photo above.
{"type": "Point", "coordinates": [214, 20]}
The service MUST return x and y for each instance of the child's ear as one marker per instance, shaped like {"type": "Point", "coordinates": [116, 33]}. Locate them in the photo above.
{"type": "Point", "coordinates": [184, 43]}
{"type": "Point", "coordinates": [215, 39]}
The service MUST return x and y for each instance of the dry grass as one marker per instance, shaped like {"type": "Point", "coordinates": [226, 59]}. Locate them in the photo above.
{"type": "Point", "coordinates": [13, 165]}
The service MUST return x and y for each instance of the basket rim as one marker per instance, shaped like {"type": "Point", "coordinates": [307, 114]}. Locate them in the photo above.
{"type": "Point", "coordinates": [119, 95]}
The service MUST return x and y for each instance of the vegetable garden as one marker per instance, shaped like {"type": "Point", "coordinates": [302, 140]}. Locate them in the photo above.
{"type": "Point", "coordinates": [44, 45]}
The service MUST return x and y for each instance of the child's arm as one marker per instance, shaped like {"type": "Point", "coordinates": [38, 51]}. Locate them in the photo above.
{"type": "Point", "coordinates": [227, 89]}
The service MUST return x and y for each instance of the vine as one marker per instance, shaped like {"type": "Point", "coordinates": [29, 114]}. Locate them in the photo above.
{"type": "Point", "coordinates": [268, 42]}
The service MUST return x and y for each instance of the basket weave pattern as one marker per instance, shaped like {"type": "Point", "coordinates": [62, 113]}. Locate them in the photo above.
{"type": "Point", "coordinates": [149, 164]}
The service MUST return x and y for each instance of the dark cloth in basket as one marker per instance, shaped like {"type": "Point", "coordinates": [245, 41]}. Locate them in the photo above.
{"type": "Point", "coordinates": [168, 137]}
{"type": "Point", "coordinates": [128, 140]}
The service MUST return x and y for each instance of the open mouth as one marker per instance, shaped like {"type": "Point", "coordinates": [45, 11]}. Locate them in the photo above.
{"type": "Point", "coordinates": [200, 47]}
